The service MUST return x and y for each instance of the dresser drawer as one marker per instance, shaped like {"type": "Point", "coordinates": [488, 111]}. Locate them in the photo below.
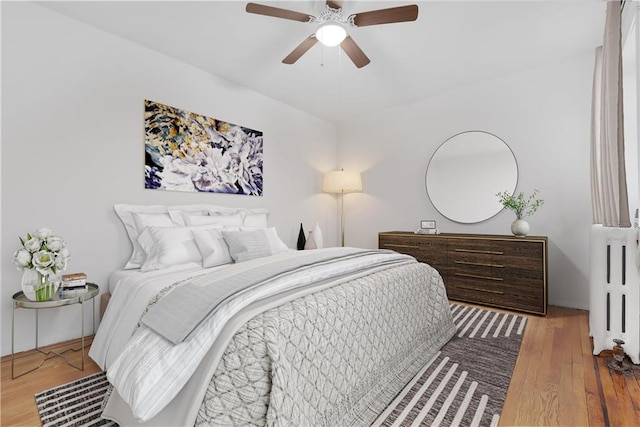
{"type": "Point", "coordinates": [524, 256]}
{"type": "Point", "coordinates": [475, 246]}
{"type": "Point", "coordinates": [475, 260]}
{"type": "Point", "coordinates": [502, 271]}
{"type": "Point", "coordinates": [409, 242]}
{"type": "Point", "coordinates": [472, 289]}
{"type": "Point", "coordinates": [431, 251]}
{"type": "Point", "coordinates": [531, 300]}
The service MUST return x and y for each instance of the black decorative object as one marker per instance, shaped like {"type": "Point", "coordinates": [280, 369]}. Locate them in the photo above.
{"type": "Point", "coordinates": [301, 239]}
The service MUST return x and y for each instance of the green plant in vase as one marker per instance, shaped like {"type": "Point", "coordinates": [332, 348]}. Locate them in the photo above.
{"type": "Point", "coordinates": [522, 206]}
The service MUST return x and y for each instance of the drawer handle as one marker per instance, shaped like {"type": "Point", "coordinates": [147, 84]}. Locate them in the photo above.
{"type": "Point", "coordinates": [489, 291]}
{"type": "Point", "coordinates": [481, 264]}
{"type": "Point", "coordinates": [474, 276]}
{"type": "Point", "coordinates": [477, 251]}
{"type": "Point", "coordinates": [401, 246]}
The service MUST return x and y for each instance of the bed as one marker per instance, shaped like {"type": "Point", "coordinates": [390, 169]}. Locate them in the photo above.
{"type": "Point", "coordinates": [278, 337]}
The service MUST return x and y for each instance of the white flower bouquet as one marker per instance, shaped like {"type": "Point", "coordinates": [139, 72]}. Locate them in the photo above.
{"type": "Point", "coordinates": [44, 253]}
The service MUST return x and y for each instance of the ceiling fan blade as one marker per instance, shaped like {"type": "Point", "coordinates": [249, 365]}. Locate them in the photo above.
{"type": "Point", "coordinates": [354, 52]}
{"type": "Point", "coordinates": [387, 16]}
{"type": "Point", "coordinates": [301, 49]}
{"type": "Point", "coordinates": [261, 9]}
{"type": "Point", "coordinates": [334, 4]}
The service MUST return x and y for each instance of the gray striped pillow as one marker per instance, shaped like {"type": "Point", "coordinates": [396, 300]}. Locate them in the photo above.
{"type": "Point", "coordinates": [246, 245]}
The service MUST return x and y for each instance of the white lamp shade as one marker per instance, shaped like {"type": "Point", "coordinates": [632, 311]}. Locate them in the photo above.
{"type": "Point", "coordinates": [342, 182]}
{"type": "Point", "coordinates": [331, 34]}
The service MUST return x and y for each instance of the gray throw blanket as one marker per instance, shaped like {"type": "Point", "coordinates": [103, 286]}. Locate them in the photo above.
{"type": "Point", "coordinates": [177, 315]}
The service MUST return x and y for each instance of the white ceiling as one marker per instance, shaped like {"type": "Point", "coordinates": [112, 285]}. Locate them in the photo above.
{"type": "Point", "coordinates": [452, 44]}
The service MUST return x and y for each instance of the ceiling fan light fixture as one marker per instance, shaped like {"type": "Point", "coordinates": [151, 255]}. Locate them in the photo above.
{"type": "Point", "coordinates": [331, 34]}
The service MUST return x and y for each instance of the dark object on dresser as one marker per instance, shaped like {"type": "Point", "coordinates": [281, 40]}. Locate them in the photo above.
{"type": "Point", "coordinates": [501, 271]}
{"type": "Point", "coordinates": [301, 239]}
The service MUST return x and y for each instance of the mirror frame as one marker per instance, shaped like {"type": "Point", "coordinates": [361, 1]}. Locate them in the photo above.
{"type": "Point", "coordinates": [491, 213]}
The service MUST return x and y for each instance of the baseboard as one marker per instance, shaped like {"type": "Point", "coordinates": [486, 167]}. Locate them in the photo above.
{"type": "Point", "coordinates": [51, 347]}
{"type": "Point", "coordinates": [569, 304]}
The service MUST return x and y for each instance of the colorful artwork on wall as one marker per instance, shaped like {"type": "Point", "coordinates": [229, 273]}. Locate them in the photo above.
{"type": "Point", "coordinates": [185, 151]}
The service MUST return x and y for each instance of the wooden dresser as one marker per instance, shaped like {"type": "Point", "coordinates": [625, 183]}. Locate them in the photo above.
{"type": "Point", "coordinates": [501, 271]}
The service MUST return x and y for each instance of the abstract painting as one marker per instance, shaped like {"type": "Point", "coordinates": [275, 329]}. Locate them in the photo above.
{"type": "Point", "coordinates": [185, 151]}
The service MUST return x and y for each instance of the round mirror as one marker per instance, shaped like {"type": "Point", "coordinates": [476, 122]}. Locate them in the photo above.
{"type": "Point", "coordinates": [465, 174]}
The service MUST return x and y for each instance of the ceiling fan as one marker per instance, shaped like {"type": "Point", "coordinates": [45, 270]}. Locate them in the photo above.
{"type": "Point", "coordinates": [331, 26]}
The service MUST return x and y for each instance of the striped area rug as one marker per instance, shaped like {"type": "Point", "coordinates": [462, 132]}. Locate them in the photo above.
{"type": "Point", "coordinates": [464, 384]}
{"type": "Point", "coordinates": [78, 403]}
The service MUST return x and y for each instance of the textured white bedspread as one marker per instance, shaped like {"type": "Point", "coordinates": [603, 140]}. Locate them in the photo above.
{"type": "Point", "coordinates": [151, 370]}
{"type": "Point", "coordinates": [331, 358]}
{"type": "Point", "coordinates": [423, 323]}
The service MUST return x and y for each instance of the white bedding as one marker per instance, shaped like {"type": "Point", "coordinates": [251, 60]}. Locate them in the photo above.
{"type": "Point", "coordinates": [131, 291]}
{"type": "Point", "coordinates": [150, 371]}
{"type": "Point", "coordinates": [130, 277]}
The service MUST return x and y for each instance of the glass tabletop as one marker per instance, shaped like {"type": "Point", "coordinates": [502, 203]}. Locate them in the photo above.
{"type": "Point", "coordinates": [20, 300]}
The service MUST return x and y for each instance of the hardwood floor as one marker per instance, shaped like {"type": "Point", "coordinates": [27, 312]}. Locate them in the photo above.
{"type": "Point", "coordinates": [556, 381]}
{"type": "Point", "coordinates": [17, 404]}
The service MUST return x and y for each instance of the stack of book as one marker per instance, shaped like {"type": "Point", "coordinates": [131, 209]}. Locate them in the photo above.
{"type": "Point", "coordinates": [73, 284]}
{"type": "Point", "coordinates": [427, 231]}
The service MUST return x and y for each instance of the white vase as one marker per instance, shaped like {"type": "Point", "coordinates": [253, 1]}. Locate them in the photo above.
{"type": "Point", "coordinates": [38, 287]}
{"type": "Point", "coordinates": [520, 227]}
{"type": "Point", "coordinates": [311, 242]}
{"type": "Point", "coordinates": [317, 236]}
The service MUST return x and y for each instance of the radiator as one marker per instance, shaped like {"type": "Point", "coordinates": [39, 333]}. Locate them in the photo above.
{"type": "Point", "coordinates": [614, 296]}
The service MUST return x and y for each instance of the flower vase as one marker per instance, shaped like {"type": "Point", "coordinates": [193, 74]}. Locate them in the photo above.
{"type": "Point", "coordinates": [311, 242]}
{"type": "Point", "coordinates": [520, 227]}
{"type": "Point", "coordinates": [317, 236]}
{"type": "Point", "coordinates": [301, 239]}
{"type": "Point", "coordinates": [38, 287]}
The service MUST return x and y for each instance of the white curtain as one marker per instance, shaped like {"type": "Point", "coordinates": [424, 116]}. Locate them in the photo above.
{"type": "Point", "coordinates": [609, 199]}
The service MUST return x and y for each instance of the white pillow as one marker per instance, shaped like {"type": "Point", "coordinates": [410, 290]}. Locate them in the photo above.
{"type": "Point", "coordinates": [178, 212]}
{"type": "Point", "coordinates": [167, 246]}
{"type": "Point", "coordinates": [249, 244]}
{"type": "Point", "coordinates": [256, 217]}
{"type": "Point", "coordinates": [212, 247]}
{"type": "Point", "coordinates": [178, 216]}
{"type": "Point", "coordinates": [143, 221]}
{"type": "Point", "coordinates": [223, 220]}
{"type": "Point", "coordinates": [230, 217]}
{"type": "Point", "coordinates": [126, 215]}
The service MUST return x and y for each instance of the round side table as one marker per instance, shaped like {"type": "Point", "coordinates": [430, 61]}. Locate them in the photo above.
{"type": "Point", "coordinates": [21, 301]}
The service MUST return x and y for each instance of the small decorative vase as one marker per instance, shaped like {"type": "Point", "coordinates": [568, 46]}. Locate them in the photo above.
{"type": "Point", "coordinates": [38, 287]}
{"type": "Point", "coordinates": [317, 236]}
{"type": "Point", "coordinates": [301, 239]}
{"type": "Point", "coordinates": [311, 242]}
{"type": "Point", "coordinates": [520, 227]}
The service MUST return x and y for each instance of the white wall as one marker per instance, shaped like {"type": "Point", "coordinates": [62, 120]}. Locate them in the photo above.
{"type": "Point", "coordinates": [72, 147]}
{"type": "Point", "coordinates": [72, 139]}
{"type": "Point", "coordinates": [542, 114]}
